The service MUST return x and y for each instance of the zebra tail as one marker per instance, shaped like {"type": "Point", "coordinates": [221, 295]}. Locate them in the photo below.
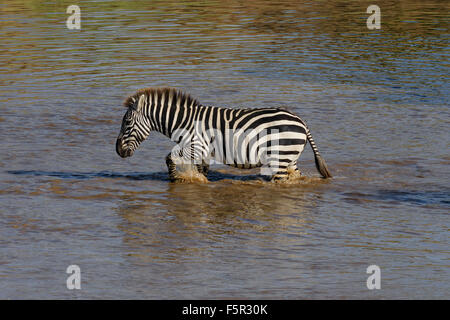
{"type": "Point", "coordinates": [320, 162]}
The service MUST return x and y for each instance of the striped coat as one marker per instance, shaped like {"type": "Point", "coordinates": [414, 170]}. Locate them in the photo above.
{"type": "Point", "coordinates": [270, 138]}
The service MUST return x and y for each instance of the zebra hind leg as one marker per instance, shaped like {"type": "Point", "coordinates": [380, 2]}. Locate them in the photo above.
{"type": "Point", "coordinates": [293, 171]}
{"type": "Point", "coordinates": [280, 176]}
{"type": "Point", "coordinates": [289, 174]}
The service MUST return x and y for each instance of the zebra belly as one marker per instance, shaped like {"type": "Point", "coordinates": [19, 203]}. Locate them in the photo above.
{"type": "Point", "coordinates": [266, 151]}
{"type": "Point", "coordinates": [246, 165]}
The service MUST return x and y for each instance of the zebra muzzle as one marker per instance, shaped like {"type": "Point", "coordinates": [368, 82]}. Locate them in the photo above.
{"type": "Point", "coordinates": [121, 151]}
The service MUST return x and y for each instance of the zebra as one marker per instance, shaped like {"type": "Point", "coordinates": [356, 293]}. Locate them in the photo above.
{"type": "Point", "coordinates": [272, 138]}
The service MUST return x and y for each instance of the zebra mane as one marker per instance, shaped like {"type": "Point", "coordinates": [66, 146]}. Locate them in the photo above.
{"type": "Point", "coordinates": [150, 92]}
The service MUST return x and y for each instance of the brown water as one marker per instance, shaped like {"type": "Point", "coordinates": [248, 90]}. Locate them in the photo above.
{"type": "Point", "coordinates": [376, 102]}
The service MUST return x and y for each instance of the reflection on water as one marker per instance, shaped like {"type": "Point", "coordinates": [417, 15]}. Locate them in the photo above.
{"type": "Point", "coordinates": [205, 213]}
{"type": "Point", "coordinates": [376, 102]}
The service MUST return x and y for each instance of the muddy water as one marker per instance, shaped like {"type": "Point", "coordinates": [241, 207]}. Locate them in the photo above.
{"type": "Point", "coordinates": [376, 102]}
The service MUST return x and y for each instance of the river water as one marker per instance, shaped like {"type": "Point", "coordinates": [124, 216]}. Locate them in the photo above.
{"type": "Point", "coordinates": [376, 102]}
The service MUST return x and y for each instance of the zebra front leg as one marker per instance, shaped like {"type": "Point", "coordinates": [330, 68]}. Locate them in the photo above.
{"type": "Point", "coordinates": [172, 168]}
{"type": "Point", "coordinates": [200, 173]}
{"type": "Point", "coordinates": [203, 168]}
{"type": "Point", "coordinates": [192, 174]}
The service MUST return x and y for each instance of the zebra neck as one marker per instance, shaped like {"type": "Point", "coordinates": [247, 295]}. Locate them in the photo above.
{"type": "Point", "coordinates": [168, 116]}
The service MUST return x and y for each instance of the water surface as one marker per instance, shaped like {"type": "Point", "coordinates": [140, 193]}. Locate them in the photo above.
{"type": "Point", "coordinates": [376, 102]}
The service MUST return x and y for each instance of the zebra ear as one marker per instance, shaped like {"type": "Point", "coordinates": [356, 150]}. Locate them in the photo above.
{"type": "Point", "coordinates": [140, 104]}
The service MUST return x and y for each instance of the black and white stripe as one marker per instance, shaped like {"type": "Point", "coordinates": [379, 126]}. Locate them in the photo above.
{"type": "Point", "coordinates": [272, 138]}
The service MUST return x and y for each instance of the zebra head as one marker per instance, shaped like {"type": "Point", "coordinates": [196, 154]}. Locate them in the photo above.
{"type": "Point", "coordinates": [135, 127]}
